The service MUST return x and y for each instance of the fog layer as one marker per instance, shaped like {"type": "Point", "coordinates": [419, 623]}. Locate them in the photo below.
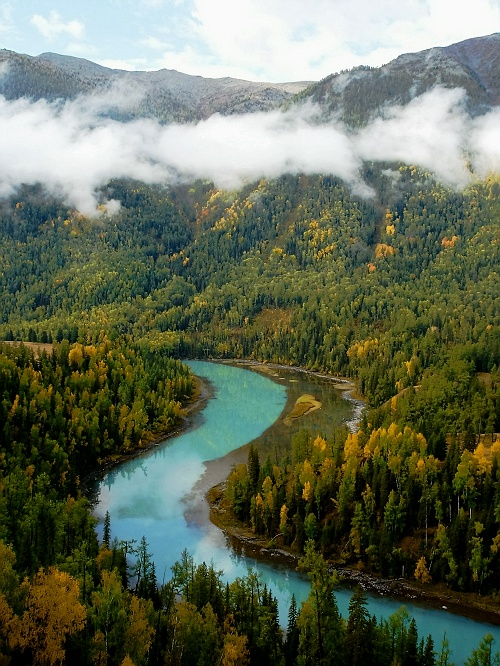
{"type": "Point", "coordinates": [74, 149]}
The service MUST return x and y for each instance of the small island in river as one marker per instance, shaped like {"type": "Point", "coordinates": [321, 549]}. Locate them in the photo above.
{"type": "Point", "coordinates": [303, 405]}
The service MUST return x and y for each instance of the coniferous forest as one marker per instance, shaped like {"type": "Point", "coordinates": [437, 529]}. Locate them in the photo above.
{"type": "Point", "coordinates": [398, 294]}
{"type": "Point", "coordinates": [397, 291]}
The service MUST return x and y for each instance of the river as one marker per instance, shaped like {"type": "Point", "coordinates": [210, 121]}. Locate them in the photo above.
{"type": "Point", "coordinates": [160, 495]}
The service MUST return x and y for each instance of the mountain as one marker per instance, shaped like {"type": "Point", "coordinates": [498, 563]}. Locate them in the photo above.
{"type": "Point", "coordinates": [359, 94]}
{"type": "Point", "coordinates": [166, 94]}
{"type": "Point", "coordinates": [355, 95]}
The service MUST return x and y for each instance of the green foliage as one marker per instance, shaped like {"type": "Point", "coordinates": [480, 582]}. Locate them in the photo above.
{"type": "Point", "coordinates": [398, 293]}
{"type": "Point", "coordinates": [296, 270]}
{"type": "Point", "coordinates": [383, 491]}
{"type": "Point", "coordinates": [62, 415]}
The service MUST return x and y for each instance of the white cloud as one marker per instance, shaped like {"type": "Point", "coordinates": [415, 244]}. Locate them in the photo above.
{"type": "Point", "coordinates": [485, 143]}
{"type": "Point", "coordinates": [282, 40]}
{"type": "Point", "coordinates": [232, 150]}
{"type": "Point", "coordinates": [74, 150]}
{"type": "Point", "coordinates": [54, 26]}
{"type": "Point", "coordinates": [430, 131]}
{"type": "Point", "coordinates": [288, 40]}
{"type": "Point", "coordinates": [448, 20]}
{"type": "Point", "coordinates": [6, 19]}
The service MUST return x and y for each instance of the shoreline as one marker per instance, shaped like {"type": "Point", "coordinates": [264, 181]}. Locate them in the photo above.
{"type": "Point", "coordinates": [242, 539]}
{"type": "Point", "coordinates": [202, 394]}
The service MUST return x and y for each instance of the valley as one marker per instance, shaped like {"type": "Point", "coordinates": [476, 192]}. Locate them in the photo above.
{"type": "Point", "coordinates": [347, 227]}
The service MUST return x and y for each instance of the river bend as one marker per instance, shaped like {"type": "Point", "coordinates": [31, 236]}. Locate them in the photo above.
{"type": "Point", "coordinates": [160, 495]}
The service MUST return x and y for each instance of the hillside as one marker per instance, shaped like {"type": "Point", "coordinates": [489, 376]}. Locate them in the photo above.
{"type": "Point", "coordinates": [360, 94]}
{"type": "Point", "coordinates": [167, 95]}
{"type": "Point", "coordinates": [297, 269]}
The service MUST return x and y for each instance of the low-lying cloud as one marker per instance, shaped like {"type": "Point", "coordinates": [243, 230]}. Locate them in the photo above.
{"type": "Point", "coordinates": [74, 149]}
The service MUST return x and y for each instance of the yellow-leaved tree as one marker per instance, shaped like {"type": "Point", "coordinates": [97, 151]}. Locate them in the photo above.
{"type": "Point", "coordinates": [235, 650]}
{"type": "Point", "coordinates": [52, 613]}
{"type": "Point", "coordinates": [421, 572]}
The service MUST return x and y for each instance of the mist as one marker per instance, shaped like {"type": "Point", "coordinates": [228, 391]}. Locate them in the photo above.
{"type": "Point", "coordinates": [73, 149]}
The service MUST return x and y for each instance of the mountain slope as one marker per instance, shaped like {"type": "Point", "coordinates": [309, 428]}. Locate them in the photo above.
{"type": "Point", "coordinates": [166, 94]}
{"type": "Point", "coordinates": [358, 95]}
{"type": "Point", "coordinates": [355, 95]}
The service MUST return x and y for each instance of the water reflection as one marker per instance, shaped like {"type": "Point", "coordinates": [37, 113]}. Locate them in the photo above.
{"type": "Point", "coordinates": [151, 494]}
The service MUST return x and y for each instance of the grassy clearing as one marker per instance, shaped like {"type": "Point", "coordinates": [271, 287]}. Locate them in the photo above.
{"type": "Point", "coordinates": [37, 347]}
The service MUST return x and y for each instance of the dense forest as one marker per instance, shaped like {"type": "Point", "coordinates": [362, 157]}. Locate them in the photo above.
{"type": "Point", "coordinates": [398, 292]}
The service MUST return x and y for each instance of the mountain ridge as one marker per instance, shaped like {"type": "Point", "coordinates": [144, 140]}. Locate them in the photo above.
{"type": "Point", "coordinates": [167, 95]}
{"type": "Point", "coordinates": [356, 95]}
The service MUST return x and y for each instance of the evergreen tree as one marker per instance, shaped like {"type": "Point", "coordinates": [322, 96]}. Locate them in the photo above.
{"type": "Point", "coordinates": [292, 634]}
{"type": "Point", "coordinates": [106, 536]}
{"type": "Point", "coordinates": [321, 630]}
{"type": "Point", "coordinates": [359, 641]}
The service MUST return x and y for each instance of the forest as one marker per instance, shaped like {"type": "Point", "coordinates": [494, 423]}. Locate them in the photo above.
{"type": "Point", "coordinates": [398, 292]}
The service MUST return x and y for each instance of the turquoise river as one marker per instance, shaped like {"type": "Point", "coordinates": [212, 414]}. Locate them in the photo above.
{"type": "Point", "coordinates": [160, 495]}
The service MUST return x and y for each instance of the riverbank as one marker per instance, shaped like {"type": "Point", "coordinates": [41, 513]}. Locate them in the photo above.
{"type": "Point", "coordinates": [202, 394]}
{"type": "Point", "coordinates": [243, 541]}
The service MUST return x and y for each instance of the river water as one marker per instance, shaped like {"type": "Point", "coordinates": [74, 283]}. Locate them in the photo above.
{"type": "Point", "coordinates": [160, 495]}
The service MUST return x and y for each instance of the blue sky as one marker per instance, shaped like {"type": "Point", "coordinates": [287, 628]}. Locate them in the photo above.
{"type": "Point", "coordinates": [260, 40]}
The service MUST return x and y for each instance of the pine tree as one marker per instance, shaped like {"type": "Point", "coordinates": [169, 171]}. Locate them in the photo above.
{"type": "Point", "coordinates": [320, 625]}
{"type": "Point", "coordinates": [253, 467]}
{"type": "Point", "coordinates": [106, 536]}
{"type": "Point", "coordinates": [292, 633]}
{"type": "Point", "coordinates": [358, 639]}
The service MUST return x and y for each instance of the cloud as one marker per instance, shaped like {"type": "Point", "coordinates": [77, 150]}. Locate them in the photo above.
{"type": "Point", "coordinates": [282, 40]}
{"type": "Point", "coordinates": [74, 149]}
{"type": "Point", "coordinates": [485, 143]}
{"type": "Point", "coordinates": [288, 40]}
{"type": "Point", "coordinates": [54, 26]}
{"type": "Point", "coordinates": [235, 149]}
{"type": "Point", "coordinates": [430, 131]}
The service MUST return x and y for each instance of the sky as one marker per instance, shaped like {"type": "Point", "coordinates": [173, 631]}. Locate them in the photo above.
{"type": "Point", "coordinates": [258, 40]}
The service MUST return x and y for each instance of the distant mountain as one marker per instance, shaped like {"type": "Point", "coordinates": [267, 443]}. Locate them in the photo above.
{"type": "Point", "coordinates": [165, 94]}
{"type": "Point", "coordinates": [359, 94]}
{"type": "Point", "coordinates": [355, 95]}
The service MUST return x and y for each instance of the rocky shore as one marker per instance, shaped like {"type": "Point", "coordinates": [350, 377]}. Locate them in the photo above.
{"type": "Point", "coordinates": [242, 540]}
